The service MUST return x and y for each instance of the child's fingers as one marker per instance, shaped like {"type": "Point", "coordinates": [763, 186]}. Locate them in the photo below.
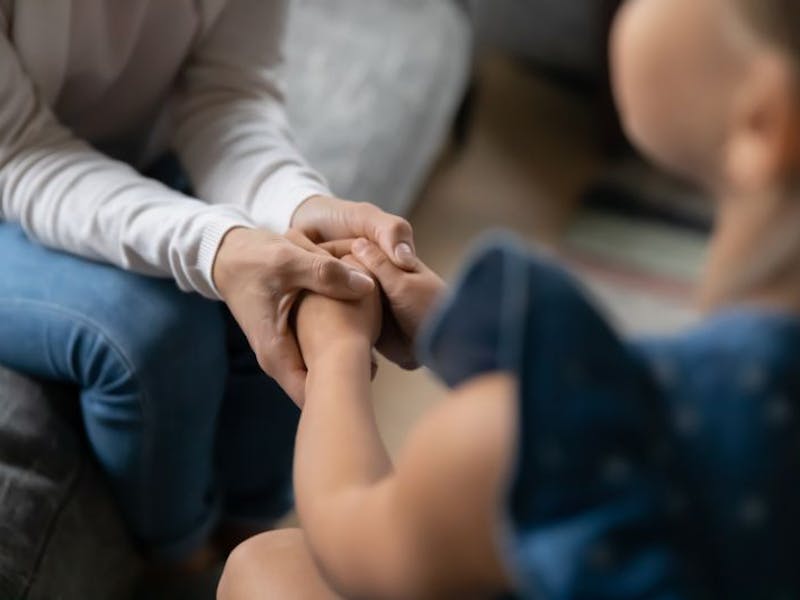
{"type": "Point", "coordinates": [298, 238]}
{"type": "Point", "coordinates": [351, 260]}
{"type": "Point", "coordinates": [338, 248]}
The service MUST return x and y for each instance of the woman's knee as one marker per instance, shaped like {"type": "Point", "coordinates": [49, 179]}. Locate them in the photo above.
{"type": "Point", "coordinates": [100, 327]}
{"type": "Point", "coordinates": [168, 344]}
{"type": "Point", "coordinates": [151, 407]}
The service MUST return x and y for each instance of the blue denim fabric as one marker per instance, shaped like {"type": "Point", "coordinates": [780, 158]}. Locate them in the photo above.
{"type": "Point", "coordinates": [662, 468]}
{"type": "Point", "coordinates": [180, 417]}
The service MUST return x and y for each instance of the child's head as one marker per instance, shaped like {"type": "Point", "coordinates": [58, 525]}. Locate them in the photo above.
{"type": "Point", "coordinates": [708, 88]}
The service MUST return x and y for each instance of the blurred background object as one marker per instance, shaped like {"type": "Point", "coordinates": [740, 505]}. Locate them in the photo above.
{"type": "Point", "coordinates": [566, 38]}
{"type": "Point", "coordinates": [373, 86]}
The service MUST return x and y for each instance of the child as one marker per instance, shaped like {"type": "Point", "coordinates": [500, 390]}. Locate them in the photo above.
{"type": "Point", "coordinates": [568, 463]}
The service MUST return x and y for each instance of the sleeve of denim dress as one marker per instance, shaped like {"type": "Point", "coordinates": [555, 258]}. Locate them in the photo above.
{"type": "Point", "coordinates": [585, 507]}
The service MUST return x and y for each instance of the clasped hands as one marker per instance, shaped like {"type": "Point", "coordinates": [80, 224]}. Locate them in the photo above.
{"type": "Point", "coordinates": [336, 249]}
{"type": "Point", "coordinates": [389, 318]}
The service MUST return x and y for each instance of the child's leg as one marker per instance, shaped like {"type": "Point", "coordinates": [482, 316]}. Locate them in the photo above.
{"type": "Point", "coordinates": [273, 565]}
{"type": "Point", "coordinates": [151, 365]}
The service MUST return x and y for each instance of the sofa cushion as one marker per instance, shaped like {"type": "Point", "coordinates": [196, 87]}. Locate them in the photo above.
{"type": "Point", "coordinates": [51, 496]}
{"type": "Point", "coordinates": [372, 89]}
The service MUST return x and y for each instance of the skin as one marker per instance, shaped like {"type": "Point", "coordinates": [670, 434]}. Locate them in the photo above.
{"type": "Point", "coordinates": [373, 529]}
{"type": "Point", "coordinates": [738, 139]}
{"type": "Point", "coordinates": [259, 275]}
{"type": "Point", "coordinates": [428, 526]}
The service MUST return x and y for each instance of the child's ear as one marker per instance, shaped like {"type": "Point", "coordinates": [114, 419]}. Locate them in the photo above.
{"type": "Point", "coordinates": [761, 144]}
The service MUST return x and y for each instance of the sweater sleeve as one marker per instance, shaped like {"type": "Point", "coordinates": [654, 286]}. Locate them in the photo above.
{"type": "Point", "coordinates": [232, 133]}
{"type": "Point", "coordinates": [68, 196]}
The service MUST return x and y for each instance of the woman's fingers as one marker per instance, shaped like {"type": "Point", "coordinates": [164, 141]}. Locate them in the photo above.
{"type": "Point", "coordinates": [393, 235]}
{"type": "Point", "coordinates": [324, 218]}
{"type": "Point", "coordinates": [298, 238]}
{"type": "Point", "coordinates": [329, 276]}
{"type": "Point", "coordinates": [313, 267]}
{"type": "Point", "coordinates": [376, 262]}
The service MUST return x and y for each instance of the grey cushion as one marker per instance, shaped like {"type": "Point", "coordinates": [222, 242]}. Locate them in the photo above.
{"type": "Point", "coordinates": [564, 35]}
{"type": "Point", "coordinates": [372, 86]}
{"type": "Point", "coordinates": [51, 498]}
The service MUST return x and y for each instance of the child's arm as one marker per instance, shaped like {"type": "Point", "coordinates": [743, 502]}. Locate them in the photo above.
{"type": "Point", "coordinates": [424, 529]}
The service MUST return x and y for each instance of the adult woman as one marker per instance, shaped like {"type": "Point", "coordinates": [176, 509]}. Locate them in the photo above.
{"type": "Point", "coordinates": [90, 92]}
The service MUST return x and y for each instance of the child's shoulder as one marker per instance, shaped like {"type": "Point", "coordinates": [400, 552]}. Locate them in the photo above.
{"type": "Point", "coordinates": [512, 308]}
{"type": "Point", "coordinates": [520, 311]}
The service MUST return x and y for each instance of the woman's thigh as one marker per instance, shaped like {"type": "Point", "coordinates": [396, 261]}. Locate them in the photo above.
{"type": "Point", "coordinates": [151, 365]}
{"type": "Point", "coordinates": [136, 315]}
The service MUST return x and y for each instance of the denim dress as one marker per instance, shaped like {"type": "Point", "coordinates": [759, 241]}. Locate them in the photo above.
{"type": "Point", "coordinates": [655, 468]}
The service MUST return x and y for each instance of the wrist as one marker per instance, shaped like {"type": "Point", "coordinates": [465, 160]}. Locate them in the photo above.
{"type": "Point", "coordinates": [351, 346]}
{"type": "Point", "coordinates": [309, 212]}
{"type": "Point", "coordinates": [230, 246]}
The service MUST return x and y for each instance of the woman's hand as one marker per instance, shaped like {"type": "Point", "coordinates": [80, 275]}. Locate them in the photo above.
{"type": "Point", "coordinates": [410, 294]}
{"type": "Point", "coordinates": [259, 275]}
{"type": "Point", "coordinates": [325, 219]}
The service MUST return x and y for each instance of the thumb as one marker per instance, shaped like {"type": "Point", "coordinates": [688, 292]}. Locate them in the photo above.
{"type": "Point", "coordinates": [376, 262]}
{"type": "Point", "coordinates": [331, 277]}
{"type": "Point", "coordinates": [394, 235]}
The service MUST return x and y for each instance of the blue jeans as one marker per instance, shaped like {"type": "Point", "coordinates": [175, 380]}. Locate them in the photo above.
{"type": "Point", "coordinates": [182, 420]}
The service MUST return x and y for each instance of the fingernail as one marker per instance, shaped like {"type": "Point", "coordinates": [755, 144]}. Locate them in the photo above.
{"type": "Point", "coordinates": [360, 246]}
{"type": "Point", "coordinates": [360, 283]}
{"type": "Point", "coordinates": [404, 253]}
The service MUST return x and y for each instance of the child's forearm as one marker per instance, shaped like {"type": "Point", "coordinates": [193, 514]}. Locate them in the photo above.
{"type": "Point", "coordinates": [339, 459]}
{"type": "Point", "coordinates": [338, 443]}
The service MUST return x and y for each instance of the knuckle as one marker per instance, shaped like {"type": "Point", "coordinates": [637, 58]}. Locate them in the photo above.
{"type": "Point", "coordinates": [401, 287]}
{"type": "Point", "coordinates": [325, 271]}
{"type": "Point", "coordinates": [368, 211]}
{"type": "Point", "coordinates": [282, 255]}
{"type": "Point", "coordinates": [263, 354]}
{"type": "Point", "coordinates": [402, 225]}
{"type": "Point", "coordinates": [398, 228]}
{"type": "Point", "coordinates": [367, 207]}
{"type": "Point", "coordinates": [293, 235]}
{"type": "Point", "coordinates": [377, 257]}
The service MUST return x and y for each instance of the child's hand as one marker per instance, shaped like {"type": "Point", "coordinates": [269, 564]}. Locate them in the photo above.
{"type": "Point", "coordinates": [410, 294]}
{"type": "Point", "coordinates": [324, 324]}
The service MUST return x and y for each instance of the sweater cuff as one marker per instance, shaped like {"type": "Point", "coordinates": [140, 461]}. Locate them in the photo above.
{"type": "Point", "coordinates": [279, 216]}
{"type": "Point", "coordinates": [213, 234]}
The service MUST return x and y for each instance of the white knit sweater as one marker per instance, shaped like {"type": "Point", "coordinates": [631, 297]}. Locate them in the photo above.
{"type": "Point", "coordinates": [91, 90]}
